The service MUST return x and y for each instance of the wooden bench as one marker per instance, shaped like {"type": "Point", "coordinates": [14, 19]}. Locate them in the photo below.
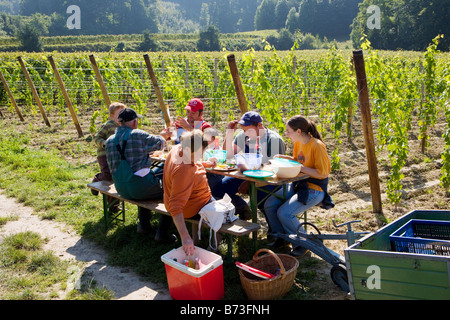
{"type": "Point", "coordinates": [237, 228]}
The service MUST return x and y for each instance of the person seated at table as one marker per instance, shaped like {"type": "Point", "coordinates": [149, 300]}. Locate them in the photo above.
{"type": "Point", "coordinates": [127, 153]}
{"type": "Point", "coordinates": [210, 135]}
{"type": "Point", "coordinates": [186, 188]}
{"type": "Point", "coordinates": [311, 152]}
{"type": "Point", "coordinates": [107, 130]}
{"type": "Point", "coordinates": [193, 120]}
{"type": "Point", "coordinates": [270, 143]}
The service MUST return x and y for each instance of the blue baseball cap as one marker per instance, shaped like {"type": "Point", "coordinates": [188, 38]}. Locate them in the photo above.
{"type": "Point", "coordinates": [249, 118]}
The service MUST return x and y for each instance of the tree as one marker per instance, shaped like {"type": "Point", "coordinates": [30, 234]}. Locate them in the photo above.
{"type": "Point", "coordinates": [404, 24]}
{"type": "Point", "coordinates": [148, 44]}
{"type": "Point", "coordinates": [209, 40]}
{"type": "Point", "coordinates": [47, 7]}
{"type": "Point", "coordinates": [292, 23]}
{"type": "Point", "coordinates": [281, 12]}
{"type": "Point", "coordinates": [264, 16]}
{"type": "Point", "coordinates": [29, 38]}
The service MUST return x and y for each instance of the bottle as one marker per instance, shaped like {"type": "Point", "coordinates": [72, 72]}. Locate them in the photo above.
{"type": "Point", "coordinates": [257, 146]}
{"type": "Point", "coordinates": [216, 144]}
{"type": "Point", "coordinates": [190, 262]}
{"type": "Point", "coordinates": [197, 263]}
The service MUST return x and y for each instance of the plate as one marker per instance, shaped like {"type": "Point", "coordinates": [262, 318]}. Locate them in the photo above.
{"type": "Point", "coordinates": [258, 173]}
{"type": "Point", "coordinates": [223, 169]}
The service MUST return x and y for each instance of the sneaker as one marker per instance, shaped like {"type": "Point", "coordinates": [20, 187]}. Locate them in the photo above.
{"type": "Point", "coordinates": [299, 252]}
{"type": "Point", "coordinates": [94, 192]}
{"type": "Point", "coordinates": [142, 230]}
{"type": "Point", "coordinates": [278, 243]}
{"type": "Point", "coordinates": [169, 239]}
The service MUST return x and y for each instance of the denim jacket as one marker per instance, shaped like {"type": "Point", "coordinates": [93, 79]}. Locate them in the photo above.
{"type": "Point", "coordinates": [301, 187]}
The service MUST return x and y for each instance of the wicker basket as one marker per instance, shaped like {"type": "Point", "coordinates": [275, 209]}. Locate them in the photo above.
{"type": "Point", "coordinates": [276, 287]}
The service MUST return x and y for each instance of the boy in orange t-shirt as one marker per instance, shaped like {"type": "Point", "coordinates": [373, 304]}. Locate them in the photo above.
{"type": "Point", "coordinates": [186, 188]}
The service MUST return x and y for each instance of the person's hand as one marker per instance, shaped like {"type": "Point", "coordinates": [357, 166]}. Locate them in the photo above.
{"type": "Point", "coordinates": [166, 134]}
{"type": "Point", "coordinates": [283, 156]}
{"type": "Point", "coordinates": [243, 188]}
{"type": "Point", "coordinates": [182, 122]}
{"type": "Point", "coordinates": [158, 153]}
{"type": "Point", "coordinates": [188, 245]}
{"type": "Point", "coordinates": [233, 125]}
{"type": "Point", "coordinates": [210, 163]}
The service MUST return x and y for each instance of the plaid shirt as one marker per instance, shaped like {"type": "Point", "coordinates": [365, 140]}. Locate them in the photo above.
{"type": "Point", "coordinates": [102, 135]}
{"type": "Point", "coordinates": [139, 145]}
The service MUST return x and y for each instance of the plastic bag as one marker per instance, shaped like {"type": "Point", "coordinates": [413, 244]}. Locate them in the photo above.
{"type": "Point", "coordinates": [215, 214]}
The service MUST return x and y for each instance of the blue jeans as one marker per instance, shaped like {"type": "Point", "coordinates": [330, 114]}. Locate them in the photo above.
{"type": "Point", "coordinates": [282, 215]}
{"type": "Point", "coordinates": [231, 185]}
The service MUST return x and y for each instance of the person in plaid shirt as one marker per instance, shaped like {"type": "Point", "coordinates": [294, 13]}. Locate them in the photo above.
{"type": "Point", "coordinates": [127, 153]}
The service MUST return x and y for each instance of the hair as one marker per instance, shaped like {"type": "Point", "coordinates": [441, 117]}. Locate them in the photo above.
{"type": "Point", "coordinates": [307, 126]}
{"type": "Point", "coordinates": [210, 133]}
{"type": "Point", "coordinates": [115, 106]}
{"type": "Point", "coordinates": [194, 140]}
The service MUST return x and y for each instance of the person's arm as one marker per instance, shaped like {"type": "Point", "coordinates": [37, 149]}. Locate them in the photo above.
{"type": "Point", "coordinates": [322, 166]}
{"type": "Point", "coordinates": [186, 240]}
{"type": "Point", "coordinates": [180, 191]}
{"type": "Point", "coordinates": [103, 134]}
{"type": "Point", "coordinates": [182, 122]}
{"type": "Point", "coordinates": [313, 173]}
{"type": "Point", "coordinates": [228, 144]}
{"type": "Point", "coordinates": [284, 156]}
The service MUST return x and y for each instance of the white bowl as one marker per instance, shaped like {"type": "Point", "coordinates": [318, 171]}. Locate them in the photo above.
{"type": "Point", "coordinates": [284, 168]}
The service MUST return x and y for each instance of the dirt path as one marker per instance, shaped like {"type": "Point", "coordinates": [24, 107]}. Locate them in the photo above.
{"type": "Point", "coordinates": [66, 244]}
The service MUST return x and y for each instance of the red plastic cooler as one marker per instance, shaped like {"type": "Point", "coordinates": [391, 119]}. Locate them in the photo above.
{"type": "Point", "coordinates": [187, 283]}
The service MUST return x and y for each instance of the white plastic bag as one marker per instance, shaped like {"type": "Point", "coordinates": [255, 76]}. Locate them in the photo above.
{"type": "Point", "coordinates": [215, 214]}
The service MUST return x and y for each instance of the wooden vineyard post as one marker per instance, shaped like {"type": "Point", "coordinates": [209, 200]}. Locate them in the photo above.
{"type": "Point", "coordinates": [159, 95]}
{"type": "Point", "coordinates": [100, 80]}
{"type": "Point", "coordinates": [66, 96]}
{"type": "Point", "coordinates": [237, 83]}
{"type": "Point", "coordinates": [366, 118]}
{"type": "Point", "coordinates": [11, 97]}
{"type": "Point", "coordinates": [350, 109]}
{"type": "Point", "coordinates": [33, 90]}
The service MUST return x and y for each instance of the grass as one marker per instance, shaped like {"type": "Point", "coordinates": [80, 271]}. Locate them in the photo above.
{"type": "Point", "coordinates": [56, 188]}
{"type": "Point", "coordinates": [29, 273]}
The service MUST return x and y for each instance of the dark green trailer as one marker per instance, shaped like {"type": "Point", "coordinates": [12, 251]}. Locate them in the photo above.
{"type": "Point", "coordinates": [376, 271]}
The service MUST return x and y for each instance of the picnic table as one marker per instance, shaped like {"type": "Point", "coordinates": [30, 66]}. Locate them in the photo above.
{"type": "Point", "coordinates": [255, 184]}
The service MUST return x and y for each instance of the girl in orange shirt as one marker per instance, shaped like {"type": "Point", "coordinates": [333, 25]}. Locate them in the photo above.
{"type": "Point", "coordinates": [310, 151]}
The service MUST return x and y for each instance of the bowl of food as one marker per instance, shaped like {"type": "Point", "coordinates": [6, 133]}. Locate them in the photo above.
{"type": "Point", "coordinates": [248, 161]}
{"type": "Point", "coordinates": [285, 168]}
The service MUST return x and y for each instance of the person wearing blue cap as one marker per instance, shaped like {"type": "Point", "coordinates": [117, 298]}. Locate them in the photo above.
{"type": "Point", "coordinates": [254, 137]}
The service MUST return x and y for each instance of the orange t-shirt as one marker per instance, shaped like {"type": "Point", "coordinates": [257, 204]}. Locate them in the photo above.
{"type": "Point", "coordinates": [313, 155]}
{"type": "Point", "coordinates": [186, 188]}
